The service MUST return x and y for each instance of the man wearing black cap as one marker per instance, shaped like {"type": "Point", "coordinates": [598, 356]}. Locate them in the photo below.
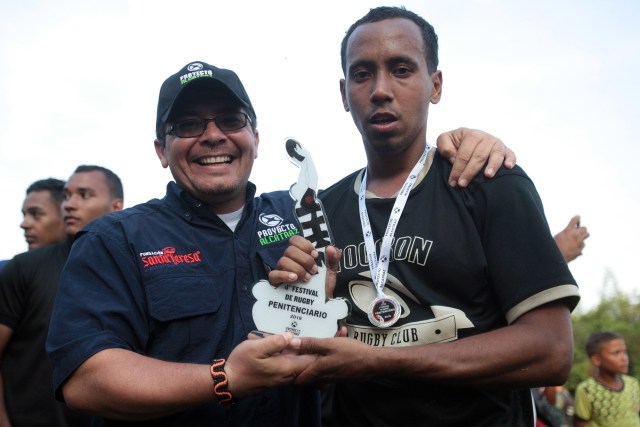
{"type": "Point", "coordinates": [154, 308]}
{"type": "Point", "coordinates": [170, 281]}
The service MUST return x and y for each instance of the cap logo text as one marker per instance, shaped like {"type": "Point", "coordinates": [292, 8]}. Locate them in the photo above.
{"type": "Point", "coordinates": [186, 78]}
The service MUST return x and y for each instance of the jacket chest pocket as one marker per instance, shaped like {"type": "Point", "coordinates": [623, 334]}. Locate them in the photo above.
{"type": "Point", "coordinates": [188, 316]}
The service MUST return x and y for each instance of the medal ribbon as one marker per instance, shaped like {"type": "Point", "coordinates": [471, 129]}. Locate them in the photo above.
{"type": "Point", "coordinates": [379, 267]}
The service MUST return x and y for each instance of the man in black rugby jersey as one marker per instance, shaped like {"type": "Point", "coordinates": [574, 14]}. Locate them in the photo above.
{"type": "Point", "coordinates": [460, 297]}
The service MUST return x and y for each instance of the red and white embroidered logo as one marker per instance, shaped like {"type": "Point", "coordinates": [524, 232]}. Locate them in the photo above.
{"type": "Point", "coordinates": [168, 256]}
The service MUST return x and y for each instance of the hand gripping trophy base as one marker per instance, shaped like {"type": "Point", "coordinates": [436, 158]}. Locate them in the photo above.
{"type": "Point", "coordinates": [299, 308]}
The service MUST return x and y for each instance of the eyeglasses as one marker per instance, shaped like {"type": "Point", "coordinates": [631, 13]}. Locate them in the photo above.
{"type": "Point", "coordinates": [192, 128]}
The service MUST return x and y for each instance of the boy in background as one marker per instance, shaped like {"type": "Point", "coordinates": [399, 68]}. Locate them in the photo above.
{"type": "Point", "coordinates": [610, 397]}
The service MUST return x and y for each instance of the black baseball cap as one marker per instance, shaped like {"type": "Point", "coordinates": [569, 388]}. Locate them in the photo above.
{"type": "Point", "coordinates": [198, 71]}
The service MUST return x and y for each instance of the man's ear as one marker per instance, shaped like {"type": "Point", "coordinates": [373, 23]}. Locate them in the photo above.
{"type": "Point", "coordinates": [436, 90]}
{"type": "Point", "coordinates": [257, 138]}
{"type": "Point", "coordinates": [117, 205]}
{"type": "Point", "coordinates": [343, 92]}
{"type": "Point", "coordinates": [160, 148]}
{"type": "Point", "coordinates": [595, 360]}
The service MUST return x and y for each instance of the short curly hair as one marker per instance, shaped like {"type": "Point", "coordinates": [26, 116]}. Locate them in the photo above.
{"type": "Point", "coordinates": [597, 339]}
{"type": "Point", "coordinates": [429, 37]}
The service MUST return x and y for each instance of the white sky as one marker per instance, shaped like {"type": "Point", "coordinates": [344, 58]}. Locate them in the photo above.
{"type": "Point", "coordinates": [554, 79]}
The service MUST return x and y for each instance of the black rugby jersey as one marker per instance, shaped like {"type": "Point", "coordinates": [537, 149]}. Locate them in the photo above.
{"type": "Point", "coordinates": [463, 262]}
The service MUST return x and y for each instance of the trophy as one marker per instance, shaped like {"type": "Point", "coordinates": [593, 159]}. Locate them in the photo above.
{"type": "Point", "coordinates": [302, 308]}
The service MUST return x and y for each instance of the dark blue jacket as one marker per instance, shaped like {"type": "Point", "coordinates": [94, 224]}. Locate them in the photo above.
{"type": "Point", "coordinates": [168, 279]}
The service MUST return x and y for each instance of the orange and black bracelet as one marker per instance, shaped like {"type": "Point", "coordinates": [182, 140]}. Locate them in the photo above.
{"type": "Point", "coordinates": [221, 383]}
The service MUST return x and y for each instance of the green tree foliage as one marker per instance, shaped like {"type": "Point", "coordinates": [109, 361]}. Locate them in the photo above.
{"type": "Point", "coordinates": [616, 312]}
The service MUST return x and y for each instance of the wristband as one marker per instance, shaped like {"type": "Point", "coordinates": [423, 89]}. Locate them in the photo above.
{"type": "Point", "coordinates": [221, 383]}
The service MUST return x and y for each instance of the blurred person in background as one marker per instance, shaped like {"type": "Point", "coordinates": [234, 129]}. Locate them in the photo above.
{"type": "Point", "coordinates": [28, 286]}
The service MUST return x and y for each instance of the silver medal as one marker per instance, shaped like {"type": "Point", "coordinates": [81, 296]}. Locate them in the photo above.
{"type": "Point", "coordinates": [384, 311]}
